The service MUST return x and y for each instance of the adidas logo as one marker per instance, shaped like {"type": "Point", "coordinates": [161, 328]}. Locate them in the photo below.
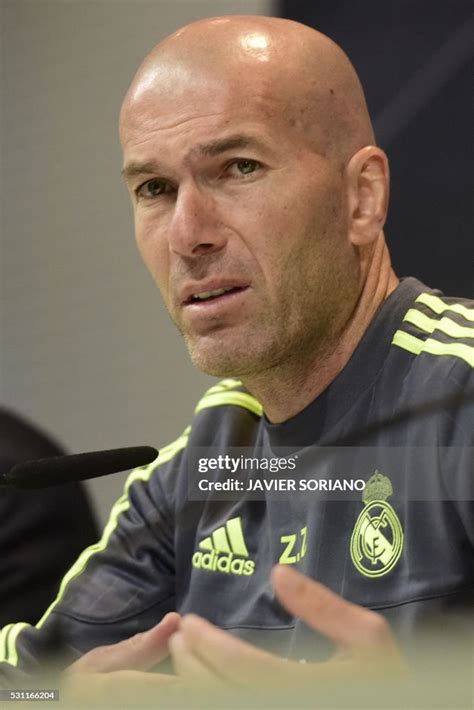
{"type": "Point", "coordinates": [225, 551]}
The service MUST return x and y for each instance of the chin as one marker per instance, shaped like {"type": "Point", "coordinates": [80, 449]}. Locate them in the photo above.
{"type": "Point", "coordinates": [216, 364]}
{"type": "Point", "coordinates": [215, 360]}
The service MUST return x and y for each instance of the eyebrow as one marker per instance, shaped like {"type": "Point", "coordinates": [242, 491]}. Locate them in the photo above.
{"type": "Point", "coordinates": [134, 169]}
{"type": "Point", "coordinates": [239, 140]}
{"type": "Point", "coordinates": [211, 149]}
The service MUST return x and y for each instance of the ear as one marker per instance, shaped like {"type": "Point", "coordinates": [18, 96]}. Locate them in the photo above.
{"type": "Point", "coordinates": [367, 179]}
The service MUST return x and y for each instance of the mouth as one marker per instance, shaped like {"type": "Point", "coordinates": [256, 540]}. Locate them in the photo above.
{"type": "Point", "coordinates": [218, 294]}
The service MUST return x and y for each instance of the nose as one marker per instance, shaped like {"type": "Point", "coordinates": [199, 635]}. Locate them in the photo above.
{"type": "Point", "coordinates": [194, 229]}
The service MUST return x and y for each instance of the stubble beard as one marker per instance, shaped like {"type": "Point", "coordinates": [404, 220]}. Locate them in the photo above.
{"type": "Point", "coordinates": [264, 345]}
{"type": "Point", "coordinates": [274, 348]}
{"type": "Point", "coordinates": [279, 337]}
{"type": "Point", "coordinates": [234, 355]}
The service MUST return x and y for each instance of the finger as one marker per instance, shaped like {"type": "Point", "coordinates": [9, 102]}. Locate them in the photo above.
{"type": "Point", "coordinates": [350, 626]}
{"type": "Point", "coordinates": [188, 666]}
{"type": "Point", "coordinates": [138, 652]}
{"type": "Point", "coordinates": [234, 661]}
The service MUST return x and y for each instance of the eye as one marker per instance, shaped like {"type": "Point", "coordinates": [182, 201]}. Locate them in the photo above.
{"type": "Point", "coordinates": [153, 188]}
{"type": "Point", "coordinates": [245, 166]}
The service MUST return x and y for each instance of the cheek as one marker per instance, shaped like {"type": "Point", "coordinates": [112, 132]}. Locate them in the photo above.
{"type": "Point", "coordinates": [281, 230]}
{"type": "Point", "coordinates": [154, 252]}
{"type": "Point", "coordinates": [321, 215]}
{"type": "Point", "coordinates": [304, 238]}
{"type": "Point", "coordinates": [267, 222]}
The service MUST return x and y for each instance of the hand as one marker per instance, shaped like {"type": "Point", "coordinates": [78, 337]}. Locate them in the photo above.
{"type": "Point", "coordinates": [364, 643]}
{"type": "Point", "coordinates": [139, 652]}
{"type": "Point", "coordinates": [115, 673]}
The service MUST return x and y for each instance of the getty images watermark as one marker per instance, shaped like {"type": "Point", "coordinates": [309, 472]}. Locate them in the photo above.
{"type": "Point", "coordinates": [332, 473]}
{"type": "Point", "coordinates": [238, 465]}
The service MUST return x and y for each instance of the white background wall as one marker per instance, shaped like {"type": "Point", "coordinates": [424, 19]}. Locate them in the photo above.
{"type": "Point", "coordinates": [86, 347]}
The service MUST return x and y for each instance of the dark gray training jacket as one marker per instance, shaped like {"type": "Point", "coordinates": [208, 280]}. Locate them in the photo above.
{"type": "Point", "coordinates": [403, 547]}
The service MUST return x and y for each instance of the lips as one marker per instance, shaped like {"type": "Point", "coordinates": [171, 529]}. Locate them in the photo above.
{"type": "Point", "coordinates": [210, 292]}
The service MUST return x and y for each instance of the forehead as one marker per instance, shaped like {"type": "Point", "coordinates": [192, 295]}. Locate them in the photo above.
{"type": "Point", "coordinates": [204, 111]}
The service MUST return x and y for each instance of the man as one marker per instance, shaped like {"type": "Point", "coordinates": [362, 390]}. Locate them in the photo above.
{"type": "Point", "coordinates": [260, 197]}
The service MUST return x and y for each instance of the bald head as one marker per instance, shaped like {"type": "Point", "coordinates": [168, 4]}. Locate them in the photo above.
{"type": "Point", "coordinates": [259, 197]}
{"type": "Point", "coordinates": [308, 78]}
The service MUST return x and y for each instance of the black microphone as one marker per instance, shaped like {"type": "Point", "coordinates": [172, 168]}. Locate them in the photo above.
{"type": "Point", "coordinates": [55, 470]}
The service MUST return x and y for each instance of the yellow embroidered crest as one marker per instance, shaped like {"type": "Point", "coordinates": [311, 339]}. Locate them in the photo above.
{"type": "Point", "coordinates": [377, 539]}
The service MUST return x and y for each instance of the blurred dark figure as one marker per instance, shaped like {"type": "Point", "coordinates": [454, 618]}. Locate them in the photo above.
{"type": "Point", "coordinates": [41, 532]}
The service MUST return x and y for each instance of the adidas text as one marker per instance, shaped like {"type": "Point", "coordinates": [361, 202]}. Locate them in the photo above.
{"type": "Point", "coordinates": [226, 563]}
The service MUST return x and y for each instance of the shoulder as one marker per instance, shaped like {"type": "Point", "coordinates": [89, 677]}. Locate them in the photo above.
{"type": "Point", "coordinates": [438, 332]}
{"type": "Point", "coordinates": [231, 393]}
{"type": "Point", "coordinates": [226, 414]}
{"type": "Point", "coordinates": [435, 339]}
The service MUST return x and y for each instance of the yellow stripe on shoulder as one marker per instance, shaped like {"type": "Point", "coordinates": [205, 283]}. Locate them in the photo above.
{"type": "Point", "coordinates": [445, 324]}
{"type": "Point", "coordinates": [433, 347]}
{"type": "Point", "coordinates": [437, 305]}
{"type": "Point", "coordinates": [166, 454]}
{"type": "Point", "coordinates": [227, 392]}
{"type": "Point", "coordinates": [237, 399]}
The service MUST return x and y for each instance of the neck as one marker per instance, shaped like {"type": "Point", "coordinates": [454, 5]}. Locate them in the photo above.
{"type": "Point", "coordinates": [288, 388]}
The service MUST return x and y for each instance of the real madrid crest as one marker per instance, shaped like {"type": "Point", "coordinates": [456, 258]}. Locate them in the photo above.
{"type": "Point", "coordinates": [377, 539]}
